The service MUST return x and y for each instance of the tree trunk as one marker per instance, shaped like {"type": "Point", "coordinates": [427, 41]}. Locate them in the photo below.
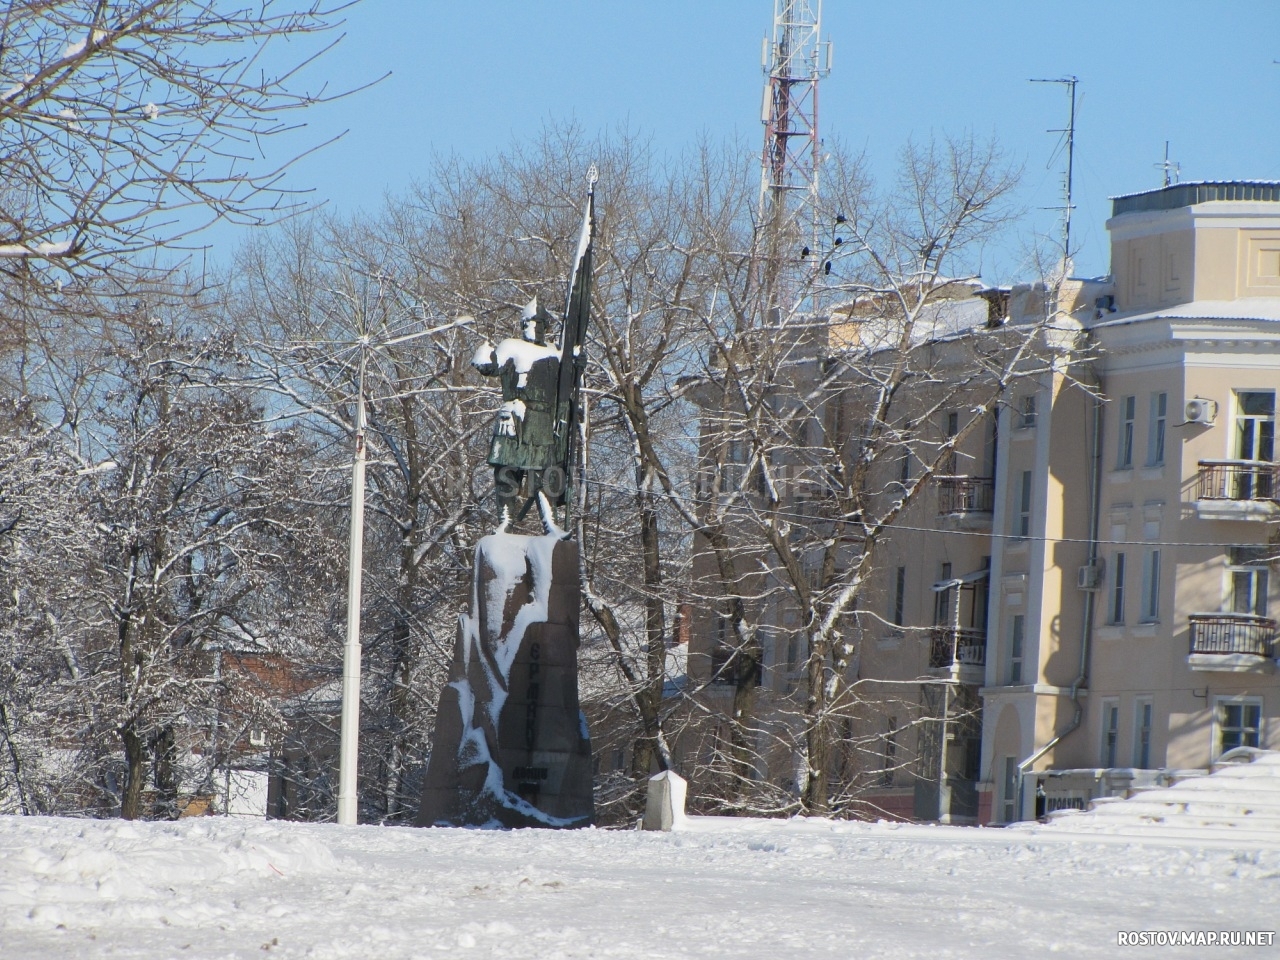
{"type": "Point", "coordinates": [815, 799]}
{"type": "Point", "coordinates": [166, 757]}
{"type": "Point", "coordinates": [647, 753]}
{"type": "Point", "coordinates": [14, 762]}
{"type": "Point", "coordinates": [135, 760]}
{"type": "Point", "coordinates": [403, 652]}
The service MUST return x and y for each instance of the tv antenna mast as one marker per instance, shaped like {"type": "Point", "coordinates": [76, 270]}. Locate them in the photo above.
{"type": "Point", "coordinates": [794, 60]}
{"type": "Point", "coordinates": [1070, 131]}
{"type": "Point", "coordinates": [1171, 168]}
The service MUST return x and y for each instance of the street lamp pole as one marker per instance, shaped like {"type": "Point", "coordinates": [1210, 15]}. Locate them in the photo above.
{"type": "Point", "coordinates": [349, 727]}
{"type": "Point", "coordinates": [349, 748]}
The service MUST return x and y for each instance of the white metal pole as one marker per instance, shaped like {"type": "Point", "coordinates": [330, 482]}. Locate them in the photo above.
{"type": "Point", "coordinates": [349, 745]}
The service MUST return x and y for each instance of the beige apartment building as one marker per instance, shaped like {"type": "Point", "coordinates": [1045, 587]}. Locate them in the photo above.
{"type": "Point", "coordinates": [1084, 602]}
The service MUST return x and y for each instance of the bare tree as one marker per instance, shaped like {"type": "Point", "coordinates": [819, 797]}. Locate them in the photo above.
{"type": "Point", "coordinates": [164, 525]}
{"type": "Point", "coordinates": [745, 444]}
{"type": "Point", "coordinates": [43, 544]}
{"type": "Point", "coordinates": [495, 234]}
{"type": "Point", "coordinates": [828, 414]}
{"type": "Point", "coordinates": [118, 119]}
{"type": "Point", "coordinates": [311, 300]}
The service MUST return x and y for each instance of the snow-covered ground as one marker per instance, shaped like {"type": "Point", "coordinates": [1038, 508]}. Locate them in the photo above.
{"type": "Point", "coordinates": [215, 888]}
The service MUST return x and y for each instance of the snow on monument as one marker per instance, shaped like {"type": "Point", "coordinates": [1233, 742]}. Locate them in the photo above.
{"type": "Point", "coordinates": [511, 746]}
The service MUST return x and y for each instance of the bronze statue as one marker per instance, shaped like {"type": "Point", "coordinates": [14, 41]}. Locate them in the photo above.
{"type": "Point", "coordinates": [511, 745]}
{"type": "Point", "coordinates": [525, 439]}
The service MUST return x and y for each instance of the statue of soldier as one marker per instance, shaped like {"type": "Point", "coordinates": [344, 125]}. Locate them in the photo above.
{"type": "Point", "coordinates": [511, 742]}
{"type": "Point", "coordinates": [524, 441]}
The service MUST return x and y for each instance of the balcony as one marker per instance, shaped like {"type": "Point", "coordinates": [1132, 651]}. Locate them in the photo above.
{"type": "Point", "coordinates": [1231, 643]}
{"type": "Point", "coordinates": [1237, 490]}
{"type": "Point", "coordinates": [961, 650]}
{"type": "Point", "coordinates": [966, 502]}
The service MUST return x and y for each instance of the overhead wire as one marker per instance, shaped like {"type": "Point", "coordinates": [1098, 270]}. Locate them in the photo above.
{"type": "Point", "coordinates": [798, 517]}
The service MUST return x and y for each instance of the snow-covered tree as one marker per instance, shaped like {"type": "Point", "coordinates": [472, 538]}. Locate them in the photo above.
{"type": "Point", "coordinates": [133, 123]}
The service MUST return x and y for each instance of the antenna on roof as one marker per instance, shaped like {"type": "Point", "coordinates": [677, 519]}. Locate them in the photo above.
{"type": "Point", "coordinates": [1070, 131]}
{"type": "Point", "coordinates": [1170, 167]}
{"type": "Point", "coordinates": [794, 59]}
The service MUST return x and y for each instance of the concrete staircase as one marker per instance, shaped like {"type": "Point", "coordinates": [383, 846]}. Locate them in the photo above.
{"type": "Point", "coordinates": [1238, 799]}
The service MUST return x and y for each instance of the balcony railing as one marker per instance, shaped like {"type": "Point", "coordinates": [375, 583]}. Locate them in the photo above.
{"type": "Point", "coordinates": [1232, 633]}
{"type": "Point", "coordinates": [963, 646]}
{"type": "Point", "coordinates": [1237, 480]}
{"type": "Point", "coordinates": [965, 495]}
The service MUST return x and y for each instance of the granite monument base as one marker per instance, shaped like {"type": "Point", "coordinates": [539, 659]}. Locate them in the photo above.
{"type": "Point", "coordinates": [511, 746]}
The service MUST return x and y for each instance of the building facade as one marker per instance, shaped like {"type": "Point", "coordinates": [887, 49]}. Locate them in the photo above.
{"type": "Point", "coordinates": [1082, 601]}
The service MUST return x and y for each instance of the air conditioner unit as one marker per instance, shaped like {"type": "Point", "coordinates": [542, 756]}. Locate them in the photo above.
{"type": "Point", "coordinates": [1089, 577]}
{"type": "Point", "coordinates": [1200, 410]}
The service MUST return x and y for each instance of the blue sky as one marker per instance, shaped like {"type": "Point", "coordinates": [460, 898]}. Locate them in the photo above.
{"type": "Point", "coordinates": [473, 76]}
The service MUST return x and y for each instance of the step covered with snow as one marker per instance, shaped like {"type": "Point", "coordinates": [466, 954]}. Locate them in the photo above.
{"type": "Point", "coordinates": [1240, 796]}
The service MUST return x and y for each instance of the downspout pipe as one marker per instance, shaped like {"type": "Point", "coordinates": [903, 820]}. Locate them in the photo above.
{"type": "Point", "coordinates": [1086, 633]}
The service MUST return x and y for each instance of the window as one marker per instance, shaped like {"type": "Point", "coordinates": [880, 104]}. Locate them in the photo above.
{"type": "Point", "coordinates": [1249, 584]}
{"type": "Point", "coordinates": [729, 664]}
{"type": "Point", "coordinates": [803, 431]}
{"type": "Point", "coordinates": [1142, 720]}
{"type": "Point", "coordinates": [1110, 731]}
{"type": "Point", "coordinates": [1155, 436]}
{"type": "Point", "coordinates": [1254, 440]}
{"type": "Point", "coordinates": [1128, 408]}
{"type": "Point", "coordinates": [1150, 586]}
{"type": "Point", "coordinates": [1009, 790]}
{"type": "Point", "coordinates": [1239, 721]}
{"type": "Point", "coordinates": [953, 428]}
{"type": "Point", "coordinates": [1027, 417]}
{"type": "Point", "coordinates": [942, 598]}
{"type": "Point", "coordinates": [981, 597]}
{"type": "Point", "coordinates": [732, 470]}
{"type": "Point", "coordinates": [1116, 608]}
{"type": "Point", "coordinates": [990, 445]}
{"type": "Point", "coordinates": [1017, 629]}
{"type": "Point", "coordinates": [890, 753]}
{"type": "Point", "coordinates": [1022, 522]}
{"type": "Point", "coordinates": [1255, 425]}
{"type": "Point", "coordinates": [899, 597]}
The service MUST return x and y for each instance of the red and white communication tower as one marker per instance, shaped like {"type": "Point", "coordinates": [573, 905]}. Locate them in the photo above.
{"type": "Point", "coordinates": [794, 61]}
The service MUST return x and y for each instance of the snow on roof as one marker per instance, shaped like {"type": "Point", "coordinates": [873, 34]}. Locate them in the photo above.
{"type": "Point", "coordinates": [1192, 192]}
{"type": "Point", "coordinates": [936, 320]}
{"type": "Point", "coordinates": [1251, 308]}
{"type": "Point", "coordinates": [1197, 183]}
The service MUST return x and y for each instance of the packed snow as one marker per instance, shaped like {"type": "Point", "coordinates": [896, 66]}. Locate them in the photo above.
{"type": "Point", "coordinates": [220, 887]}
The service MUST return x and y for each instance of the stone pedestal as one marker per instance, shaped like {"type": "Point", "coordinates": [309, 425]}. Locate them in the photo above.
{"type": "Point", "coordinates": [511, 746]}
{"type": "Point", "coordinates": [664, 805]}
